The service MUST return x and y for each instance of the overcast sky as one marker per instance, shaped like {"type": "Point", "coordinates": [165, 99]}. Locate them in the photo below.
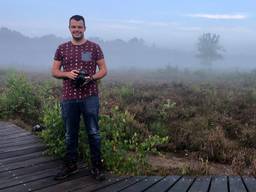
{"type": "Point", "coordinates": [168, 23]}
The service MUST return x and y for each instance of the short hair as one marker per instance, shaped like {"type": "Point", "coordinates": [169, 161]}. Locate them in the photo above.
{"type": "Point", "coordinates": [77, 18]}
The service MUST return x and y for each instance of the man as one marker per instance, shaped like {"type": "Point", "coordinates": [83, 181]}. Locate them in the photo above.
{"type": "Point", "coordinates": [75, 62]}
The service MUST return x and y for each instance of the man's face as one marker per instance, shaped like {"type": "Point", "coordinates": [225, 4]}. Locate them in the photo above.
{"type": "Point", "coordinates": [77, 29]}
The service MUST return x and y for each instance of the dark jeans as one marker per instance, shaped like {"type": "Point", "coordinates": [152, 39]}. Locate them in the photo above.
{"type": "Point", "coordinates": [71, 112]}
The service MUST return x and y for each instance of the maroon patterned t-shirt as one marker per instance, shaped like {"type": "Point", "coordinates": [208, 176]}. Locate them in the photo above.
{"type": "Point", "coordinates": [79, 57]}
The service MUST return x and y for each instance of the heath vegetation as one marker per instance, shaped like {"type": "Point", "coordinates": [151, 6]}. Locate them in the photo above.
{"type": "Point", "coordinates": [203, 118]}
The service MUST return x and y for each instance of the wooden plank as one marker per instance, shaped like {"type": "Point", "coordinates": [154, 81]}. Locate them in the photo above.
{"type": "Point", "coordinates": [20, 143]}
{"type": "Point", "coordinates": [11, 131]}
{"type": "Point", "coordinates": [15, 135]}
{"type": "Point", "coordinates": [44, 182]}
{"type": "Point", "coordinates": [70, 185]}
{"type": "Point", "coordinates": [250, 183]}
{"type": "Point", "coordinates": [19, 139]}
{"type": "Point", "coordinates": [3, 123]}
{"type": "Point", "coordinates": [31, 173]}
{"type": "Point", "coordinates": [13, 126]}
{"type": "Point", "coordinates": [5, 133]}
{"type": "Point", "coordinates": [94, 186]}
{"type": "Point", "coordinates": [164, 184]}
{"type": "Point", "coordinates": [201, 184]}
{"type": "Point", "coordinates": [22, 164]}
{"type": "Point", "coordinates": [183, 184]}
{"type": "Point", "coordinates": [17, 148]}
{"type": "Point", "coordinates": [21, 158]}
{"type": "Point", "coordinates": [17, 180]}
{"type": "Point", "coordinates": [236, 184]}
{"type": "Point", "coordinates": [9, 126]}
{"type": "Point", "coordinates": [219, 183]}
{"type": "Point", "coordinates": [122, 185]}
{"type": "Point", "coordinates": [21, 152]}
{"type": "Point", "coordinates": [28, 170]}
{"type": "Point", "coordinates": [143, 184]}
{"type": "Point", "coordinates": [4, 126]}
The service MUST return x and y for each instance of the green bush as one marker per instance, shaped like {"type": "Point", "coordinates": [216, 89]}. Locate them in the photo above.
{"type": "Point", "coordinates": [130, 149]}
{"type": "Point", "coordinates": [124, 151]}
{"type": "Point", "coordinates": [53, 136]}
{"type": "Point", "coordinates": [19, 99]}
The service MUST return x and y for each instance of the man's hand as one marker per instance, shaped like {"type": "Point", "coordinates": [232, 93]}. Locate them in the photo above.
{"type": "Point", "coordinates": [87, 79]}
{"type": "Point", "coordinates": [58, 73]}
{"type": "Point", "coordinates": [72, 74]}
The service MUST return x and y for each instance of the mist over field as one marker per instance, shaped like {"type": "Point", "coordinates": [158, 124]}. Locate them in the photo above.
{"type": "Point", "coordinates": [194, 100]}
{"type": "Point", "coordinates": [25, 53]}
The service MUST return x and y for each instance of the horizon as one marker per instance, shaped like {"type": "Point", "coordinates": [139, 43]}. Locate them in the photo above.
{"type": "Point", "coordinates": [176, 24]}
{"type": "Point", "coordinates": [147, 56]}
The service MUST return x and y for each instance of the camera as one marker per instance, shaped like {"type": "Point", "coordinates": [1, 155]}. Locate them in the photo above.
{"type": "Point", "coordinates": [82, 79]}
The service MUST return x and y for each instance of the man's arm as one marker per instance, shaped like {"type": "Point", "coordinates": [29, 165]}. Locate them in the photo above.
{"type": "Point", "coordinates": [102, 70]}
{"type": "Point", "coordinates": [57, 73]}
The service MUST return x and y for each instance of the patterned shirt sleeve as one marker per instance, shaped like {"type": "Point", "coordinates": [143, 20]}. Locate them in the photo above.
{"type": "Point", "coordinates": [99, 53]}
{"type": "Point", "coordinates": [58, 56]}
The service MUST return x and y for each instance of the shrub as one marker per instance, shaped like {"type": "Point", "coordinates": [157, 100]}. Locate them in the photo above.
{"type": "Point", "coordinates": [239, 163]}
{"type": "Point", "coordinates": [218, 148]}
{"type": "Point", "coordinates": [19, 99]}
{"type": "Point", "coordinates": [248, 137]}
{"type": "Point", "coordinates": [53, 136]}
{"type": "Point", "coordinates": [124, 150]}
{"type": "Point", "coordinates": [129, 147]}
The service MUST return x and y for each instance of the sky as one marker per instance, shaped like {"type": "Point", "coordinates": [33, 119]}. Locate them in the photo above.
{"type": "Point", "coordinates": [165, 23]}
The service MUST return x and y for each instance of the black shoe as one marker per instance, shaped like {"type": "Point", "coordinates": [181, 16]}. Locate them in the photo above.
{"type": "Point", "coordinates": [66, 171]}
{"type": "Point", "coordinates": [98, 174]}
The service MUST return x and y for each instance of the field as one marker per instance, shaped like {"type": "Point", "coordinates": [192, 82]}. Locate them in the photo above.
{"type": "Point", "coordinates": [166, 121]}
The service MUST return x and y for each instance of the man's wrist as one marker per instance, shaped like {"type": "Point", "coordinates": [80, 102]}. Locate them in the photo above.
{"type": "Point", "coordinates": [92, 78]}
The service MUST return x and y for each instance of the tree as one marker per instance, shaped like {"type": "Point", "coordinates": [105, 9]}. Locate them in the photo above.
{"type": "Point", "coordinates": [209, 48]}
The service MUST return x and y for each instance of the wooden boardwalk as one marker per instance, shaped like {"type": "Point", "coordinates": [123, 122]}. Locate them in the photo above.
{"type": "Point", "coordinates": [23, 167]}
